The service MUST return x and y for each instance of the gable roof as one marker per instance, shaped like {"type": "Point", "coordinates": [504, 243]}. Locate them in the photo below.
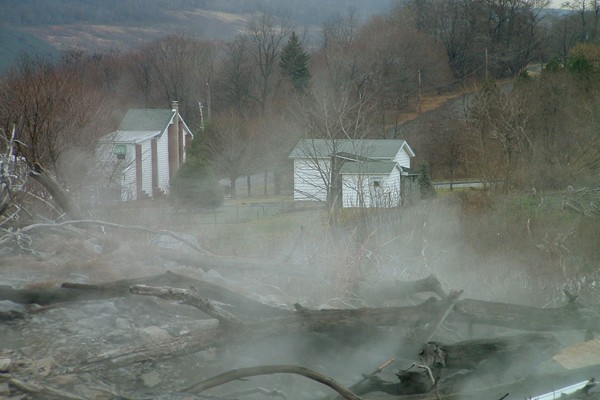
{"type": "Point", "coordinates": [146, 120]}
{"type": "Point", "coordinates": [368, 167]}
{"type": "Point", "coordinates": [368, 148]}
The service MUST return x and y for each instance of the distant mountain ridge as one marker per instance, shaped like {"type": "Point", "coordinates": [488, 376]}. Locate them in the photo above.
{"type": "Point", "coordinates": [47, 27]}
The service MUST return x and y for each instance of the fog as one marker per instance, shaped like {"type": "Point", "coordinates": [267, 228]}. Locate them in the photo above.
{"type": "Point", "coordinates": [115, 283]}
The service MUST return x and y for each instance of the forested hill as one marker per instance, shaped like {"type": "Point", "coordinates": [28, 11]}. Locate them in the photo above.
{"type": "Point", "coordinates": [49, 26]}
{"type": "Point", "coordinates": [141, 12]}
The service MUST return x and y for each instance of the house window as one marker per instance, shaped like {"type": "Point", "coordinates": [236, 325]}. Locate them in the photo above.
{"type": "Point", "coordinates": [120, 150]}
{"type": "Point", "coordinates": [375, 182]}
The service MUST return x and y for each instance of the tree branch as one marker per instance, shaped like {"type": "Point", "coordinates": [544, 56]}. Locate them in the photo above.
{"type": "Point", "coordinates": [267, 370]}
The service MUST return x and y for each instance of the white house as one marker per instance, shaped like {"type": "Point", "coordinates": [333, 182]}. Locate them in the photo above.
{"type": "Point", "coordinates": [140, 159]}
{"type": "Point", "coordinates": [352, 173]}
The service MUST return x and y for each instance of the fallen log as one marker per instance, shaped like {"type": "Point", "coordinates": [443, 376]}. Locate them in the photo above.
{"type": "Point", "coordinates": [493, 356]}
{"type": "Point", "coordinates": [69, 292]}
{"type": "Point", "coordinates": [470, 354]}
{"type": "Point", "coordinates": [525, 387]}
{"type": "Point", "coordinates": [572, 316]}
{"type": "Point", "coordinates": [345, 322]}
{"type": "Point", "coordinates": [396, 289]}
{"type": "Point", "coordinates": [301, 321]}
{"type": "Point", "coordinates": [190, 297]}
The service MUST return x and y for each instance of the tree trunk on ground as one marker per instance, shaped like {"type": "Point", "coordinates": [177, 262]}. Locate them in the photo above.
{"type": "Point", "coordinates": [569, 317]}
{"type": "Point", "coordinates": [320, 321]}
{"type": "Point", "coordinates": [248, 308]}
{"type": "Point", "coordinates": [303, 320]}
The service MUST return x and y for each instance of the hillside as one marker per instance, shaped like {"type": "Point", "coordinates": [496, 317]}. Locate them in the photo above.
{"type": "Point", "coordinates": [14, 42]}
{"type": "Point", "coordinates": [46, 27]}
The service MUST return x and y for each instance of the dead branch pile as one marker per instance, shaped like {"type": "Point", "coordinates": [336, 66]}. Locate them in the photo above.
{"type": "Point", "coordinates": [243, 322]}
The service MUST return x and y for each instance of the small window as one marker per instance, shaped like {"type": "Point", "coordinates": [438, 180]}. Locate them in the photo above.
{"type": "Point", "coordinates": [375, 182]}
{"type": "Point", "coordinates": [120, 150]}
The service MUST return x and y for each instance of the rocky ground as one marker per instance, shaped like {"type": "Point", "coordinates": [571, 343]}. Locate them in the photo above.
{"type": "Point", "coordinates": [45, 345]}
{"type": "Point", "coordinates": [45, 349]}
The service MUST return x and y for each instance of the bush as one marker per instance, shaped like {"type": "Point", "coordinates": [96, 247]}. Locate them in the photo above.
{"type": "Point", "coordinates": [425, 185]}
{"type": "Point", "coordinates": [195, 185]}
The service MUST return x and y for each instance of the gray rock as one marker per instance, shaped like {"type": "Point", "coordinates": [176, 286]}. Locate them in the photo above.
{"type": "Point", "coordinates": [4, 389]}
{"type": "Point", "coordinates": [94, 246]}
{"type": "Point", "coordinates": [5, 364]}
{"type": "Point", "coordinates": [150, 379]}
{"type": "Point", "coordinates": [152, 334]}
{"type": "Point", "coordinates": [8, 306]}
{"type": "Point", "coordinates": [122, 323]}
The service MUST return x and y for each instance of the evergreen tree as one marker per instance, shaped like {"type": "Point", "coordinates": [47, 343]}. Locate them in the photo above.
{"type": "Point", "coordinates": [425, 184]}
{"type": "Point", "coordinates": [194, 184]}
{"type": "Point", "coordinates": [293, 63]}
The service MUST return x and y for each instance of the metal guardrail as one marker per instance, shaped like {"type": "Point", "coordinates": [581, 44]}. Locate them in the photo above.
{"type": "Point", "coordinates": [457, 184]}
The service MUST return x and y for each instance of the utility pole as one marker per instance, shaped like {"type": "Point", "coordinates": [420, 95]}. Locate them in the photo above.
{"type": "Point", "coordinates": [201, 116]}
{"type": "Point", "coordinates": [208, 100]}
{"type": "Point", "coordinates": [419, 74]}
{"type": "Point", "coordinates": [486, 64]}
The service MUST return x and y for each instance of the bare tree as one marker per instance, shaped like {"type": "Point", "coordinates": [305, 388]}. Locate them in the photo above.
{"type": "Point", "coordinates": [499, 119]}
{"type": "Point", "coordinates": [580, 7]}
{"type": "Point", "coordinates": [508, 29]}
{"type": "Point", "coordinates": [235, 76]}
{"type": "Point", "coordinates": [229, 142]}
{"type": "Point", "coordinates": [447, 149]}
{"type": "Point", "coordinates": [180, 69]}
{"type": "Point", "coordinates": [57, 117]}
{"type": "Point", "coordinates": [266, 39]}
{"type": "Point", "coordinates": [400, 64]}
{"type": "Point", "coordinates": [13, 180]}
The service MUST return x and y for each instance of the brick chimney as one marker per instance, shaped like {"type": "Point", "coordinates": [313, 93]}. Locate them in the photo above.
{"type": "Point", "coordinates": [173, 145]}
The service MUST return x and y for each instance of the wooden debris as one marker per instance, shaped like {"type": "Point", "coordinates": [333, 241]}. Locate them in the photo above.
{"type": "Point", "coordinates": [396, 289]}
{"type": "Point", "coordinates": [267, 370]}
{"type": "Point", "coordinates": [190, 297]}
{"type": "Point", "coordinates": [582, 354]}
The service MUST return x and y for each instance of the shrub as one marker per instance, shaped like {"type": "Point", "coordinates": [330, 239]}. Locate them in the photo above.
{"type": "Point", "coordinates": [195, 185]}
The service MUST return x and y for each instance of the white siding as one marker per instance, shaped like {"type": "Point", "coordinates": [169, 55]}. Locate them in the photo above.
{"type": "Point", "coordinates": [147, 167]}
{"type": "Point", "coordinates": [311, 178]}
{"type": "Point", "coordinates": [359, 190]}
{"type": "Point", "coordinates": [393, 188]}
{"type": "Point", "coordinates": [128, 191]}
{"type": "Point", "coordinates": [163, 161]}
{"type": "Point", "coordinates": [403, 158]}
{"type": "Point", "coordinates": [355, 191]}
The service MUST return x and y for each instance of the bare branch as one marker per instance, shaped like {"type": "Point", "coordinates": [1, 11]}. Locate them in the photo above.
{"type": "Point", "coordinates": [267, 370]}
